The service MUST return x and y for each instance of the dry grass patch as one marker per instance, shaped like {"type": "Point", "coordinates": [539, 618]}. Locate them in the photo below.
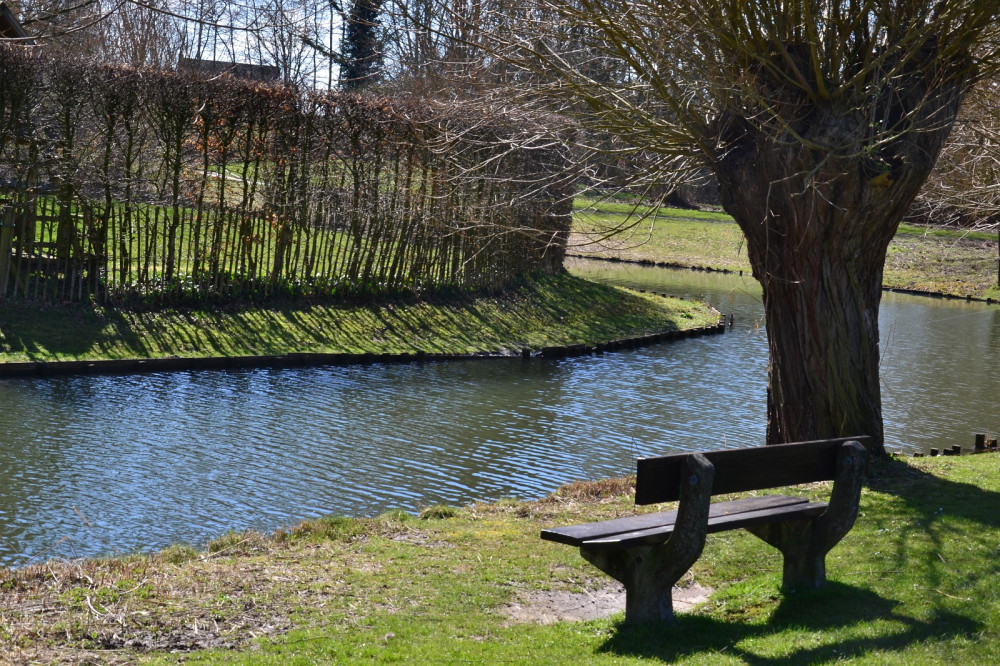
{"type": "Point", "coordinates": [246, 586]}
{"type": "Point", "coordinates": [588, 491]}
{"type": "Point", "coordinates": [101, 610]}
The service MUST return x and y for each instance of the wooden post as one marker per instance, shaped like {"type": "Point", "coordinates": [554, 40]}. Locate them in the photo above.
{"type": "Point", "coordinates": [980, 442]}
{"type": "Point", "coordinates": [6, 233]}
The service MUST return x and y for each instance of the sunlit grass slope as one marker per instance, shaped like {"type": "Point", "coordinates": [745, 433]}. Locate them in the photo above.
{"type": "Point", "coordinates": [552, 310]}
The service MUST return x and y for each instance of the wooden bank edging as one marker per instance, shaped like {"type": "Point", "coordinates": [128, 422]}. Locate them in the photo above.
{"type": "Point", "coordinates": [307, 359]}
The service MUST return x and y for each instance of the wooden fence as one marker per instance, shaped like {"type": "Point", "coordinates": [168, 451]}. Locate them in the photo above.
{"type": "Point", "coordinates": [120, 185]}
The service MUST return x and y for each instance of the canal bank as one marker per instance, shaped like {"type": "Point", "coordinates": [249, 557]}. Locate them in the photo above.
{"type": "Point", "coordinates": [960, 263]}
{"type": "Point", "coordinates": [477, 585]}
{"type": "Point", "coordinates": [306, 359]}
{"type": "Point", "coordinates": [929, 293]}
{"type": "Point", "coordinates": [539, 317]}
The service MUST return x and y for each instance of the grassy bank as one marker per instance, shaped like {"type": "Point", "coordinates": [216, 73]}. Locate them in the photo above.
{"type": "Point", "coordinates": [943, 261]}
{"type": "Point", "coordinates": [914, 582]}
{"type": "Point", "coordinates": [553, 310]}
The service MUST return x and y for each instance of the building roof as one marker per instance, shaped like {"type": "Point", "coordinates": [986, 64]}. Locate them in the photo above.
{"type": "Point", "coordinates": [10, 27]}
{"type": "Point", "coordinates": [240, 70]}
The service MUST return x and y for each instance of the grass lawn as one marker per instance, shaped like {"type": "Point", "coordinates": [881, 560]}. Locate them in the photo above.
{"type": "Point", "coordinates": [551, 310]}
{"type": "Point", "coordinates": [946, 261]}
{"type": "Point", "coordinates": [913, 583]}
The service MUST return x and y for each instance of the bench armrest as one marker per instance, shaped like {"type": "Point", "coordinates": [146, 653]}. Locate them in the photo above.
{"type": "Point", "coordinates": [845, 497]}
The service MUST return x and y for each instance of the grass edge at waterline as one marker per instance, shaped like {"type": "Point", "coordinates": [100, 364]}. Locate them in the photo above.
{"type": "Point", "coordinates": [913, 582]}
{"type": "Point", "coordinates": [960, 263]}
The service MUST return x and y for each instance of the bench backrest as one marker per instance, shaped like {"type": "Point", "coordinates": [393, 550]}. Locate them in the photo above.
{"type": "Point", "coordinates": [659, 479]}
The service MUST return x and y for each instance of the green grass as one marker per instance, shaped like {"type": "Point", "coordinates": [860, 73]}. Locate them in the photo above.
{"type": "Point", "coordinates": [914, 582]}
{"type": "Point", "coordinates": [597, 208]}
{"type": "Point", "coordinates": [554, 310]}
{"type": "Point", "coordinates": [947, 261]}
{"type": "Point", "coordinates": [954, 234]}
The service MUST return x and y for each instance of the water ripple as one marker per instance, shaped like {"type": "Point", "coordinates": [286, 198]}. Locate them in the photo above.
{"type": "Point", "coordinates": [102, 464]}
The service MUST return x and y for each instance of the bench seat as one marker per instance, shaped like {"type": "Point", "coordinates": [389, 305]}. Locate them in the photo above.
{"type": "Point", "coordinates": [654, 528]}
{"type": "Point", "coordinates": [649, 553]}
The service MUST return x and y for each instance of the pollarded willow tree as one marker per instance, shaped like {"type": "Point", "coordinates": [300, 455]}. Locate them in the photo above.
{"type": "Point", "coordinates": [821, 121]}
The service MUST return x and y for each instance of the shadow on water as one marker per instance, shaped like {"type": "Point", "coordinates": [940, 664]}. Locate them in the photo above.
{"type": "Point", "coordinates": [836, 607]}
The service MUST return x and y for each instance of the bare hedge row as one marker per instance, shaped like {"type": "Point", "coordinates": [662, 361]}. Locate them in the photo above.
{"type": "Point", "coordinates": [122, 184]}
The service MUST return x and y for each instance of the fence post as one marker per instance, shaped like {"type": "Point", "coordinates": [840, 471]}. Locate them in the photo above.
{"type": "Point", "coordinates": [6, 233]}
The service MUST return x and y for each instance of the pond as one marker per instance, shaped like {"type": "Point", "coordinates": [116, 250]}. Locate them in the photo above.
{"type": "Point", "coordinates": [94, 465]}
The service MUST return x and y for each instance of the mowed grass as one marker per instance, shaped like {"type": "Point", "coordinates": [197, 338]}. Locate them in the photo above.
{"type": "Point", "coordinates": [913, 583]}
{"type": "Point", "coordinates": [945, 261]}
{"type": "Point", "coordinates": [702, 239]}
{"type": "Point", "coordinates": [543, 311]}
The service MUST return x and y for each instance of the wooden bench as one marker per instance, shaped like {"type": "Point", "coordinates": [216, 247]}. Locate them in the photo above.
{"type": "Point", "coordinates": [649, 553]}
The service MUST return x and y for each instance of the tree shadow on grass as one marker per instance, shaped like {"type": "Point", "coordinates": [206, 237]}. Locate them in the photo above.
{"type": "Point", "coordinates": [42, 332]}
{"type": "Point", "coordinates": [936, 508]}
{"type": "Point", "coordinates": [837, 608]}
{"type": "Point", "coordinates": [931, 495]}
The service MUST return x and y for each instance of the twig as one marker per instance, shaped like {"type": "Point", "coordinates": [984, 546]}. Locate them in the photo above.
{"type": "Point", "coordinates": [951, 596]}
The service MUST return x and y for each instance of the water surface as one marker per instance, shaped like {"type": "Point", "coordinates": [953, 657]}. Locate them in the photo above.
{"type": "Point", "coordinates": [93, 465]}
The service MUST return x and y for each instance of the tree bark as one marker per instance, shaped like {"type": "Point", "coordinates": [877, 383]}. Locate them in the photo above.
{"type": "Point", "coordinates": [818, 212]}
{"type": "Point", "coordinates": [823, 339]}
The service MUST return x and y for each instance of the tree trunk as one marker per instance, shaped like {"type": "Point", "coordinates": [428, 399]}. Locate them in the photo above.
{"type": "Point", "coordinates": [822, 288]}
{"type": "Point", "coordinates": [822, 322]}
{"type": "Point", "coordinates": [818, 216]}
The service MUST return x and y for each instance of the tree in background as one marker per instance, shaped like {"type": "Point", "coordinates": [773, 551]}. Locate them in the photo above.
{"type": "Point", "coordinates": [362, 54]}
{"type": "Point", "coordinates": [295, 35]}
{"type": "Point", "coordinates": [821, 120]}
{"type": "Point", "coordinates": [141, 34]}
{"type": "Point", "coordinates": [283, 33]}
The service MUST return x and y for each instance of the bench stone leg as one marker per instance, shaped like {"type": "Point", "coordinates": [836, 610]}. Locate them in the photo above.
{"type": "Point", "coordinates": [804, 557]}
{"type": "Point", "coordinates": [805, 543]}
{"type": "Point", "coordinates": [650, 572]}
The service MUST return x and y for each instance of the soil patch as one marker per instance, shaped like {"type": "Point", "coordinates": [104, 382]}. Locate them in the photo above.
{"type": "Point", "coordinates": [548, 606]}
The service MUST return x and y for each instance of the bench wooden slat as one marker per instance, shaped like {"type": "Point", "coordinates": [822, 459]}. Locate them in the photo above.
{"type": "Point", "coordinates": [648, 554]}
{"type": "Point", "coordinates": [576, 535]}
{"type": "Point", "coordinates": [737, 470]}
{"type": "Point", "coordinates": [715, 524]}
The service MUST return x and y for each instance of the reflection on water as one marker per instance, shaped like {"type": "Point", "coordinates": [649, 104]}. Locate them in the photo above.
{"type": "Point", "coordinates": [94, 464]}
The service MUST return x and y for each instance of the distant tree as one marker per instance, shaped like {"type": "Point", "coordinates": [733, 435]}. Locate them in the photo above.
{"type": "Point", "coordinates": [362, 56]}
{"type": "Point", "coordinates": [142, 34]}
{"type": "Point", "coordinates": [963, 190]}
